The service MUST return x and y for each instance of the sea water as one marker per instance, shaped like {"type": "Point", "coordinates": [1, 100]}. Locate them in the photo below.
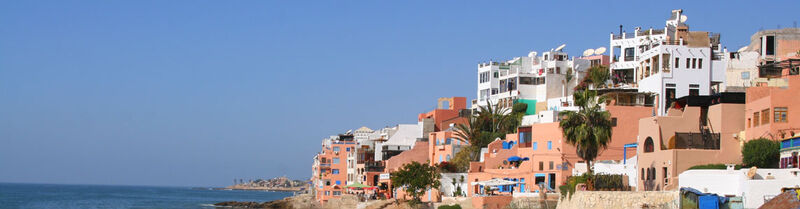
{"type": "Point", "coordinates": [97, 196]}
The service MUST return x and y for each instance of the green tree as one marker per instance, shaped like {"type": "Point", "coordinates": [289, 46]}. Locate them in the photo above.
{"type": "Point", "coordinates": [416, 178]}
{"type": "Point", "coordinates": [761, 153]}
{"type": "Point", "coordinates": [483, 127]}
{"type": "Point", "coordinates": [589, 128]}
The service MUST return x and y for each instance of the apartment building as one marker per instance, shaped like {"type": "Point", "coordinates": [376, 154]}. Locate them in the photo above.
{"type": "Point", "coordinates": [770, 108]}
{"type": "Point", "coordinates": [533, 79]}
{"type": "Point", "coordinates": [331, 173]}
{"type": "Point", "coordinates": [670, 62]}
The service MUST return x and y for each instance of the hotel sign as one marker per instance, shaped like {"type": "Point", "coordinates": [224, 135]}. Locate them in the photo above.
{"type": "Point", "coordinates": [384, 176]}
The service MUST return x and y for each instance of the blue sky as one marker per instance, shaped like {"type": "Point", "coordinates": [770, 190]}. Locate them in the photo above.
{"type": "Point", "coordinates": [197, 93]}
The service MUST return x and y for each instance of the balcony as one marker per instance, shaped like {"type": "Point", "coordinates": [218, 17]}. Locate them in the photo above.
{"type": "Point", "coordinates": [695, 140]}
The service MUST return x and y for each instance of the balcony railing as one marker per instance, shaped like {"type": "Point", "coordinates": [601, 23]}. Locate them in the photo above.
{"type": "Point", "coordinates": [696, 140]}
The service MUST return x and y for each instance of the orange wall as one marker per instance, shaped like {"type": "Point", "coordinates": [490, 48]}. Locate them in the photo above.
{"type": "Point", "coordinates": [760, 98]}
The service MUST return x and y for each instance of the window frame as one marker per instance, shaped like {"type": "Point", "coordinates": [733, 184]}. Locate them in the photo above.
{"type": "Point", "coordinates": [780, 115]}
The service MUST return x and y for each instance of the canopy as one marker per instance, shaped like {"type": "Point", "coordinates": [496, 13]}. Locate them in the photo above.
{"type": "Point", "coordinates": [514, 158]}
{"type": "Point", "coordinates": [356, 185]}
{"type": "Point", "coordinates": [494, 182]}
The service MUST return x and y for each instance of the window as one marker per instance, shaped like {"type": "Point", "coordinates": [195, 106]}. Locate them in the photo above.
{"type": "Point", "coordinates": [700, 63]}
{"type": "Point", "coordinates": [551, 165]}
{"type": "Point", "coordinates": [648, 145]}
{"type": "Point", "coordinates": [327, 192]}
{"type": "Point", "coordinates": [765, 116]}
{"type": "Point", "coordinates": [335, 171]}
{"type": "Point", "coordinates": [694, 63]}
{"type": "Point", "coordinates": [448, 158]}
{"type": "Point", "coordinates": [336, 149]}
{"type": "Point", "coordinates": [694, 92]}
{"type": "Point", "coordinates": [337, 193]}
{"type": "Point", "coordinates": [338, 182]}
{"type": "Point", "coordinates": [613, 122]}
{"type": "Point", "coordinates": [780, 114]}
{"type": "Point", "coordinates": [558, 70]}
{"type": "Point", "coordinates": [664, 169]}
{"type": "Point", "coordinates": [677, 62]}
{"type": "Point", "coordinates": [440, 159]}
{"type": "Point", "coordinates": [688, 61]}
{"type": "Point", "coordinates": [770, 49]}
{"type": "Point", "coordinates": [642, 176]}
{"type": "Point", "coordinates": [525, 80]}
{"type": "Point", "coordinates": [348, 149]}
{"type": "Point", "coordinates": [496, 74]}
{"type": "Point", "coordinates": [755, 119]}
{"type": "Point", "coordinates": [749, 120]}
{"type": "Point", "coordinates": [629, 54]}
{"type": "Point", "coordinates": [336, 160]}
{"type": "Point", "coordinates": [549, 147]}
{"type": "Point", "coordinates": [541, 165]}
{"type": "Point", "coordinates": [745, 75]}
{"type": "Point", "coordinates": [535, 145]}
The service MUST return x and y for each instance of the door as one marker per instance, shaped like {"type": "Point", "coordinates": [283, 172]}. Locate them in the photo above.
{"type": "Point", "coordinates": [552, 178]}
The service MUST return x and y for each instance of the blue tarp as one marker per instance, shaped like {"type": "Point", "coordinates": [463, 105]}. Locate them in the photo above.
{"type": "Point", "coordinates": [705, 199]}
{"type": "Point", "coordinates": [514, 158]}
{"type": "Point", "coordinates": [525, 158]}
{"type": "Point", "coordinates": [708, 202]}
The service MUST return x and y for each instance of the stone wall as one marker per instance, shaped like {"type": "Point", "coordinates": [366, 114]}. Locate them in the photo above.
{"type": "Point", "coordinates": [620, 199]}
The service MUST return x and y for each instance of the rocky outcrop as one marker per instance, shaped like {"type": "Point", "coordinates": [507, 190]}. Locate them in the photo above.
{"type": "Point", "coordinates": [277, 204]}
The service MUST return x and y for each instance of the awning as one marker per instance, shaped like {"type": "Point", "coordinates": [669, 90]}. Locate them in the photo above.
{"type": "Point", "coordinates": [494, 182]}
{"type": "Point", "coordinates": [514, 158]}
{"type": "Point", "coordinates": [356, 186]}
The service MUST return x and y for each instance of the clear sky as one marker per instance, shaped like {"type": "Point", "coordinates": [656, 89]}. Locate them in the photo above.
{"type": "Point", "coordinates": [197, 93]}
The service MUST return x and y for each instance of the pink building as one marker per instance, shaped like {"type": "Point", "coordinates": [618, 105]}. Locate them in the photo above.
{"type": "Point", "coordinates": [333, 168]}
{"type": "Point", "coordinates": [698, 130]}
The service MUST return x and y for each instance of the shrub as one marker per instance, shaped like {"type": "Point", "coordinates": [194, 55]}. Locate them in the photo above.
{"type": "Point", "coordinates": [608, 182]}
{"type": "Point", "coordinates": [762, 153]}
{"type": "Point", "coordinates": [449, 206]}
{"type": "Point", "coordinates": [519, 107]}
{"type": "Point", "coordinates": [713, 166]}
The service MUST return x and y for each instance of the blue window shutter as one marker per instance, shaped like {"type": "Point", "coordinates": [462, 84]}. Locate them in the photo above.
{"type": "Point", "coordinates": [535, 145]}
{"type": "Point", "coordinates": [549, 145]}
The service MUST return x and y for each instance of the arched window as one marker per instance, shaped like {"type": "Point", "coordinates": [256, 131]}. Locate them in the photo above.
{"type": "Point", "coordinates": [648, 145]}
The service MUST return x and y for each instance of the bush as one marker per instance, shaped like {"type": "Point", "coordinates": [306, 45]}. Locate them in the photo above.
{"type": "Point", "coordinates": [608, 182]}
{"type": "Point", "coordinates": [713, 166]}
{"type": "Point", "coordinates": [762, 153]}
{"type": "Point", "coordinates": [449, 206]}
{"type": "Point", "coordinates": [569, 188]}
{"type": "Point", "coordinates": [602, 182]}
{"type": "Point", "coordinates": [519, 107]}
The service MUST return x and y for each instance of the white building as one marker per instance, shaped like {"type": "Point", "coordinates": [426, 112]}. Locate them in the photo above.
{"type": "Point", "coordinates": [671, 62]}
{"type": "Point", "coordinates": [765, 184]}
{"type": "Point", "coordinates": [532, 80]}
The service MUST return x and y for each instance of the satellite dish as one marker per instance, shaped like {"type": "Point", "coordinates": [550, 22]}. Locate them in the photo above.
{"type": "Point", "coordinates": [532, 54]}
{"type": "Point", "coordinates": [600, 50]}
{"type": "Point", "coordinates": [742, 49]}
{"type": "Point", "coordinates": [588, 52]}
{"type": "Point", "coordinates": [559, 48]}
{"type": "Point", "coordinates": [752, 172]}
{"type": "Point", "coordinates": [683, 18]}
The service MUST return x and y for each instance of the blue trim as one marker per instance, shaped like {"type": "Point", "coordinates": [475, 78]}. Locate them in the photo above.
{"type": "Point", "coordinates": [540, 175]}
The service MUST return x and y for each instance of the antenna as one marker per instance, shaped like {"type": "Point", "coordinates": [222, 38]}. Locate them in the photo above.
{"type": "Point", "coordinates": [683, 18]}
{"type": "Point", "coordinates": [600, 51]}
{"type": "Point", "coordinates": [588, 52]}
{"type": "Point", "coordinates": [559, 48]}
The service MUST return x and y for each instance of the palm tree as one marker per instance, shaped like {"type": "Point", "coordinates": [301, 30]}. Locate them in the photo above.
{"type": "Point", "coordinates": [482, 127]}
{"type": "Point", "coordinates": [588, 129]}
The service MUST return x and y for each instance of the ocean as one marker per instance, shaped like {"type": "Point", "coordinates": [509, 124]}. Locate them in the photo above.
{"type": "Point", "coordinates": [50, 196]}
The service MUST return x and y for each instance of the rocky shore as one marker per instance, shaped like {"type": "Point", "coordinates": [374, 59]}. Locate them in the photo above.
{"type": "Point", "coordinates": [293, 202]}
